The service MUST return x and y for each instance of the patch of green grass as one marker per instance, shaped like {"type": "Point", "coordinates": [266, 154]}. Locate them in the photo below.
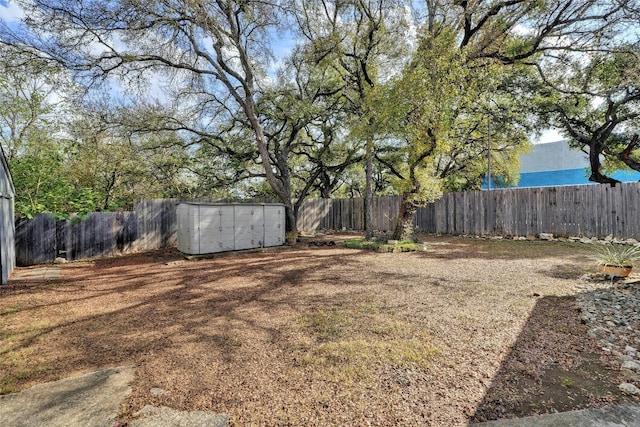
{"type": "Point", "coordinates": [17, 355]}
{"type": "Point", "coordinates": [352, 343]}
{"type": "Point", "coordinates": [361, 243]}
{"type": "Point", "coordinates": [401, 246]}
{"type": "Point", "coordinates": [13, 308]}
{"type": "Point", "coordinates": [324, 324]}
{"type": "Point", "coordinates": [7, 388]}
{"type": "Point", "coordinates": [8, 383]}
{"type": "Point", "coordinates": [565, 381]}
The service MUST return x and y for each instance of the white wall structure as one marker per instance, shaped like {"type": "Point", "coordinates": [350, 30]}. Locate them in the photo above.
{"type": "Point", "coordinates": [7, 224]}
{"type": "Point", "coordinates": [205, 228]}
{"type": "Point", "coordinates": [554, 164]}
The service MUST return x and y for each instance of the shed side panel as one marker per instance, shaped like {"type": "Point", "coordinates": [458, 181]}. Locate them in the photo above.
{"type": "Point", "coordinates": [209, 229]}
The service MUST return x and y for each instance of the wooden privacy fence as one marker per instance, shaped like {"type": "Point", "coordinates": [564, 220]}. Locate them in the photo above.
{"type": "Point", "coordinates": [583, 210]}
{"type": "Point", "coordinates": [151, 225]}
{"type": "Point", "coordinates": [339, 214]}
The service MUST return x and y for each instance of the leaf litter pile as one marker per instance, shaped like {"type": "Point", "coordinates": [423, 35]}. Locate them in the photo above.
{"type": "Point", "coordinates": [468, 330]}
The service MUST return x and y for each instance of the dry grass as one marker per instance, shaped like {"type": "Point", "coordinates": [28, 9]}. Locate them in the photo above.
{"type": "Point", "coordinates": [308, 336]}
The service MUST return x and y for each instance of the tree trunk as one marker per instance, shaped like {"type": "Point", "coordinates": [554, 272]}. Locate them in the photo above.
{"type": "Point", "coordinates": [594, 161]}
{"type": "Point", "coordinates": [404, 227]}
{"type": "Point", "coordinates": [624, 156]}
{"type": "Point", "coordinates": [368, 192]}
{"type": "Point", "coordinates": [291, 218]}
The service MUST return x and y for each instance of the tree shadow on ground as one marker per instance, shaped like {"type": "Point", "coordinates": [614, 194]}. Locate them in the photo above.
{"type": "Point", "coordinates": [452, 248]}
{"type": "Point", "coordinates": [554, 366]}
{"type": "Point", "coordinates": [112, 312]}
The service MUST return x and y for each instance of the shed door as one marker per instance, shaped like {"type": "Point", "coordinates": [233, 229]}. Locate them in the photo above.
{"type": "Point", "coordinates": [188, 232]}
{"type": "Point", "coordinates": [257, 228]}
{"type": "Point", "coordinates": [209, 229]}
{"type": "Point", "coordinates": [273, 225]}
{"type": "Point", "coordinates": [216, 229]}
{"type": "Point", "coordinates": [249, 234]}
{"type": "Point", "coordinates": [227, 224]}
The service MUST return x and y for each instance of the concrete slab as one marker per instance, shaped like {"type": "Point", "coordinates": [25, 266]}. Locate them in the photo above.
{"type": "Point", "coordinates": [615, 416]}
{"type": "Point", "coordinates": [91, 400]}
{"type": "Point", "coordinates": [167, 417]}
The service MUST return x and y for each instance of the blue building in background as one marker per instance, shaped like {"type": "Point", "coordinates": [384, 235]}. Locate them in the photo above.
{"type": "Point", "coordinates": [554, 164]}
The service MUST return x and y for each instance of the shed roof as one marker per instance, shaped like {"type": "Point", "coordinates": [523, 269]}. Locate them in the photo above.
{"type": "Point", "coordinates": [230, 204]}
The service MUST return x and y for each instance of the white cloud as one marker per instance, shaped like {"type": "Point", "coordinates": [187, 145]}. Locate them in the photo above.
{"type": "Point", "coordinates": [10, 12]}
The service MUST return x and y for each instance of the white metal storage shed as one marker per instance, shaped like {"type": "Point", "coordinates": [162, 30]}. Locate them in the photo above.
{"type": "Point", "coordinates": [216, 227]}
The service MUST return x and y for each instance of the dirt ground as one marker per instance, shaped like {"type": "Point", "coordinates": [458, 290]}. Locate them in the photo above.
{"type": "Point", "coordinates": [469, 330]}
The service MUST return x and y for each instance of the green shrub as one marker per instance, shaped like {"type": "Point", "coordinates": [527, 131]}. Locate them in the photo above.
{"type": "Point", "coordinates": [401, 246]}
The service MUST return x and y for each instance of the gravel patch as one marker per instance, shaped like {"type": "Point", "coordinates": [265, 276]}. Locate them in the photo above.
{"type": "Point", "coordinates": [611, 311]}
{"type": "Point", "coordinates": [467, 330]}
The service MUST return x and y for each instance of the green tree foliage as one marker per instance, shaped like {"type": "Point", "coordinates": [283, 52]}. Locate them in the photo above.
{"type": "Point", "coordinates": [214, 55]}
{"type": "Point", "coordinates": [121, 166]}
{"type": "Point", "coordinates": [31, 95]}
{"type": "Point", "coordinates": [445, 114]}
{"type": "Point", "coordinates": [43, 187]}
{"type": "Point", "coordinates": [32, 100]}
{"type": "Point", "coordinates": [357, 38]}
{"type": "Point", "coordinates": [595, 99]}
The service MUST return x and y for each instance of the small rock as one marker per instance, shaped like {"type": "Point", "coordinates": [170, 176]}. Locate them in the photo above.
{"type": "Point", "coordinates": [631, 364]}
{"type": "Point", "coordinates": [629, 349]}
{"type": "Point", "coordinates": [546, 236]}
{"type": "Point", "coordinates": [599, 332]}
{"type": "Point", "coordinates": [628, 374]}
{"type": "Point", "coordinates": [59, 260]}
{"type": "Point", "coordinates": [157, 391]}
{"type": "Point", "coordinates": [629, 388]}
